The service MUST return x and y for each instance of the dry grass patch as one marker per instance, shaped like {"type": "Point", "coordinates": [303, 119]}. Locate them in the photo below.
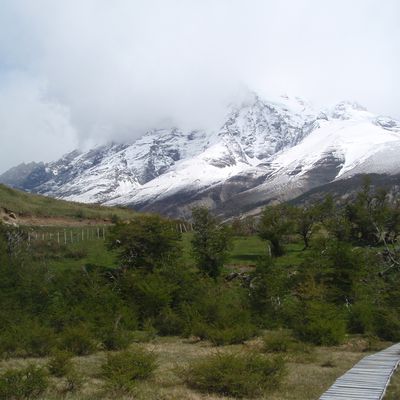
{"type": "Point", "coordinates": [306, 378]}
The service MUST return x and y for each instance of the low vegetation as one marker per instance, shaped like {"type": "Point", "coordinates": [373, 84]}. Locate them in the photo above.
{"type": "Point", "coordinates": [121, 372]}
{"type": "Point", "coordinates": [25, 383]}
{"type": "Point", "coordinates": [235, 374]}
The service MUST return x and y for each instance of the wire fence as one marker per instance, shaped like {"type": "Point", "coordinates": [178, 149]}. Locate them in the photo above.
{"type": "Point", "coordinates": [82, 234]}
{"type": "Point", "coordinates": [67, 236]}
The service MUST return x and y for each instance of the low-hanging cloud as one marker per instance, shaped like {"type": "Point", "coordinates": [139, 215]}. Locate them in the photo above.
{"type": "Point", "coordinates": [78, 72]}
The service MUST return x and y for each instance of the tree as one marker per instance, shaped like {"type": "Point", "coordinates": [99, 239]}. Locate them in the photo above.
{"type": "Point", "coordinates": [332, 269]}
{"type": "Point", "coordinates": [275, 223]}
{"type": "Point", "coordinates": [268, 291]}
{"type": "Point", "coordinates": [146, 242]}
{"type": "Point", "coordinates": [306, 220]}
{"type": "Point", "coordinates": [211, 242]}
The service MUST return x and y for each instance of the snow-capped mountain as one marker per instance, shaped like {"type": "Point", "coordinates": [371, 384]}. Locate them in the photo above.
{"type": "Point", "coordinates": [264, 151]}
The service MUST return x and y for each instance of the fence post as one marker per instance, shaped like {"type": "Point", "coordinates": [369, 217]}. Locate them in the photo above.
{"type": "Point", "coordinates": [65, 236]}
{"type": "Point", "coordinates": [58, 237]}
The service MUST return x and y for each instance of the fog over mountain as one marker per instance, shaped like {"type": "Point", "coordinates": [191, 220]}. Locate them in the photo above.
{"type": "Point", "coordinates": [78, 73]}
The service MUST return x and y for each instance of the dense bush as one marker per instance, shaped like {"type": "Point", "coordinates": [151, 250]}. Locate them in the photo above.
{"type": "Point", "coordinates": [147, 242]}
{"type": "Point", "coordinates": [78, 340]}
{"type": "Point", "coordinates": [361, 318]}
{"type": "Point", "coordinates": [122, 370]}
{"type": "Point", "coordinates": [27, 383]}
{"type": "Point", "coordinates": [278, 342]}
{"type": "Point", "coordinates": [169, 322]}
{"type": "Point", "coordinates": [270, 286]}
{"type": "Point", "coordinates": [387, 324]}
{"type": "Point", "coordinates": [60, 363]}
{"type": "Point", "coordinates": [223, 336]}
{"type": "Point", "coordinates": [115, 339]}
{"type": "Point", "coordinates": [234, 374]}
{"type": "Point", "coordinates": [321, 324]}
{"type": "Point", "coordinates": [28, 338]}
{"type": "Point", "coordinates": [221, 316]}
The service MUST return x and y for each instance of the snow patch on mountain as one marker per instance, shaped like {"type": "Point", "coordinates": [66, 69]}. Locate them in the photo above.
{"type": "Point", "coordinates": [264, 149]}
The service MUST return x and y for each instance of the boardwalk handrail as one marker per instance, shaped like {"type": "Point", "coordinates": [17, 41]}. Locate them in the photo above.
{"type": "Point", "coordinates": [368, 379]}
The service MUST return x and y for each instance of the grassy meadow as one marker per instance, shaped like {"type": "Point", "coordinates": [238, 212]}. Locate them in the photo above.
{"type": "Point", "coordinates": [30, 207]}
{"type": "Point", "coordinates": [244, 254]}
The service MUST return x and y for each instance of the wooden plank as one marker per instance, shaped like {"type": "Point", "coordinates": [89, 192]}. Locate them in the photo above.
{"type": "Point", "coordinates": [368, 379]}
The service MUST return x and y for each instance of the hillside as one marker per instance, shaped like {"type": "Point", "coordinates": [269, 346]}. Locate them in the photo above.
{"type": "Point", "coordinates": [17, 207]}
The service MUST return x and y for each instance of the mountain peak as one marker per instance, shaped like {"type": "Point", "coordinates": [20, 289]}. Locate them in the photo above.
{"type": "Point", "coordinates": [349, 110]}
{"type": "Point", "coordinates": [265, 149]}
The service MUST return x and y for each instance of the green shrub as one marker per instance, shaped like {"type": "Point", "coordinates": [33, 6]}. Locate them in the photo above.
{"type": "Point", "coordinates": [115, 339]}
{"type": "Point", "coordinates": [221, 316]}
{"type": "Point", "coordinates": [169, 323]}
{"type": "Point", "coordinates": [231, 335]}
{"type": "Point", "coordinates": [78, 340]}
{"type": "Point", "coordinates": [237, 375]}
{"type": "Point", "coordinates": [60, 363]}
{"type": "Point", "coordinates": [27, 383]}
{"type": "Point", "coordinates": [27, 339]}
{"type": "Point", "coordinates": [38, 340]}
{"type": "Point", "coordinates": [387, 324]}
{"type": "Point", "coordinates": [122, 371]}
{"type": "Point", "coordinates": [10, 344]}
{"type": "Point", "coordinates": [361, 318]}
{"type": "Point", "coordinates": [278, 342]}
{"type": "Point", "coordinates": [320, 324]}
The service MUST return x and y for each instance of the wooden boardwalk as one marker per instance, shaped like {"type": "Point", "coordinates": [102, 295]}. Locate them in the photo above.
{"type": "Point", "coordinates": [368, 379]}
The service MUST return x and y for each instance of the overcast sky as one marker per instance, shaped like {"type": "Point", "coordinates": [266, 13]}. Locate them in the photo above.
{"type": "Point", "coordinates": [74, 73]}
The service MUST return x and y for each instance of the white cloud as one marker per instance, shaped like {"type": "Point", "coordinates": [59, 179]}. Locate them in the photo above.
{"type": "Point", "coordinates": [31, 127]}
{"type": "Point", "coordinates": [115, 69]}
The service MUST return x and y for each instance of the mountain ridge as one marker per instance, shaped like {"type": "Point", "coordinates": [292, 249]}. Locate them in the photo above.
{"type": "Point", "coordinates": [264, 152]}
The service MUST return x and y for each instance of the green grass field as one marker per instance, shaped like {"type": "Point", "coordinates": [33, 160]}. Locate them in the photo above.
{"type": "Point", "coordinates": [246, 251]}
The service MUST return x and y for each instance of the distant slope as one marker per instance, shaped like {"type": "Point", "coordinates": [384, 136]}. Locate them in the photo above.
{"type": "Point", "coordinates": [31, 209]}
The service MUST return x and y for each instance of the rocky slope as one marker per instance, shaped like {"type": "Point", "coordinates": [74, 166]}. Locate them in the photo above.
{"type": "Point", "coordinates": [265, 151]}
